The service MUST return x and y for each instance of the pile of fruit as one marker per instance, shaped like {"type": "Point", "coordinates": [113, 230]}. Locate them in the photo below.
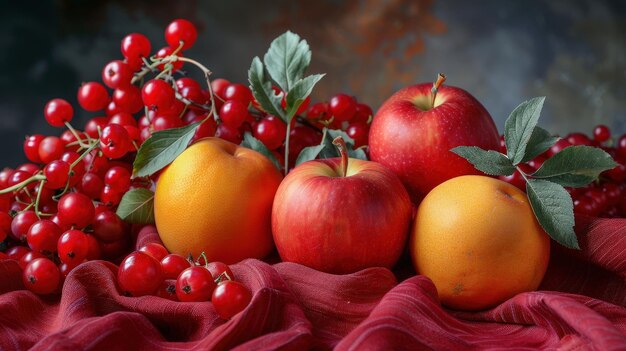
{"type": "Point", "coordinates": [59, 210]}
{"type": "Point", "coordinates": [205, 163]}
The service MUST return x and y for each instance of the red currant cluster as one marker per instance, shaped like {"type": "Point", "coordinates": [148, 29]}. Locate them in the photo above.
{"type": "Point", "coordinates": [603, 198]}
{"type": "Point", "coordinates": [153, 271]}
{"type": "Point", "coordinates": [58, 210]}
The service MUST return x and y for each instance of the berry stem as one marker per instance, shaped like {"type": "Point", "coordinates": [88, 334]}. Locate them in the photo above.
{"type": "Point", "coordinates": [18, 186]}
{"type": "Point", "coordinates": [207, 74]}
{"type": "Point", "coordinates": [343, 150]}
{"type": "Point", "coordinates": [75, 133]}
{"type": "Point", "coordinates": [151, 66]}
{"type": "Point", "coordinates": [80, 158]}
{"type": "Point", "coordinates": [221, 277]}
{"type": "Point", "coordinates": [436, 85]}
{"type": "Point", "coordinates": [287, 147]}
{"type": "Point", "coordinates": [41, 183]}
{"type": "Point", "coordinates": [206, 261]}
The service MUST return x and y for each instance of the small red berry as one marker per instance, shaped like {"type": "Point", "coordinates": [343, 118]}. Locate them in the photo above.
{"type": "Point", "coordinates": [108, 227]}
{"type": "Point", "coordinates": [230, 297]}
{"type": "Point", "coordinates": [139, 274]}
{"type": "Point", "coordinates": [238, 92]}
{"type": "Point", "coordinates": [359, 132]}
{"type": "Point", "coordinates": [135, 46]}
{"type": "Point", "coordinates": [233, 113]}
{"type": "Point", "coordinates": [114, 141]}
{"type": "Point", "coordinates": [91, 185]}
{"type": "Point", "coordinates": [181, 30]}
{"type": "Point", "coordinates": [128, 99]}
{"type": "Point", "coordinates": [51, 148]}
{"type": "Point", "coordinates": [76, 209]}
{"type": "Point", "coordinates": [57, 174]}
{"type": "Point", "coordinates": [117, 74]}
{"type": "Point", "coordinates": [342, 107]}
{"type": "Point", "coordinates": [57, 112]}
{"type": "Point", "coordinates": [195, 284]}
{"type": "Point", "coordinates": [43, 235]}
{"type": "Point", "coordinates": [270, 131]}
{"type": "Point", "coordinates": [172, 265]}
{"type": "Point", "coordinates": [73, 247]}
{"type": "Point", "coordinates": [31, 147]}
{"type": "Point", "coordinates": [219, 86]}
{"type": "Point", "coordinates": [41, 276]}
{"type": "Point", "coordinates": [156, 251]}
{"type": "Point", "coordinates": [21, 223]}
{"type": "Point", "coordinates": [157, 94]}
{"type": "Point", "coordinates": [601, 133]}
{"type": "Point", "coordinates": [93, 96]}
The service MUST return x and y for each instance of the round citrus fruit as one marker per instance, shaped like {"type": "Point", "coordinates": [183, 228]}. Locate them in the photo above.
{"type": "Point", "coordinates": [479, 242]}
{"type": "Point", "coordinates": [216, 198]}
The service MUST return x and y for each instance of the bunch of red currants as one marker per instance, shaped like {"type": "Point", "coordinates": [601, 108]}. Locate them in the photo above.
{"type": "Point", "coordinates": [153, 271]}
{"type": "Point", "coordinates": [603, 198]}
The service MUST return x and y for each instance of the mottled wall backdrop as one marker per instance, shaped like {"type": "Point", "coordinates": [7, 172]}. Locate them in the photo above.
{"type": "Point", "coordinates": [503, 52]}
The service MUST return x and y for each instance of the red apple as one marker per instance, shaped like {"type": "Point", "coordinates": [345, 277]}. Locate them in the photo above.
{"type": "Point", "coordinates": [414, 130]}
{"type": "Point", "coordinates": [341, 215]}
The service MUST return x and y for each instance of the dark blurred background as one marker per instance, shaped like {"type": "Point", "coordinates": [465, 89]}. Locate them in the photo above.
{"type": "Point", "coordinates": [503, 52]}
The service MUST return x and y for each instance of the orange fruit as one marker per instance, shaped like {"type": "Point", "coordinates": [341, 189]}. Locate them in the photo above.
{"type": "Point", "coordinates": [216, 197]}
{"type": "Point", "coordinates": [479, 242]}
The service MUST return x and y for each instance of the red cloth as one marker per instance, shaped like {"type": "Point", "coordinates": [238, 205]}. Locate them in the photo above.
{"type": "Point", "coordinates": [581, 305]}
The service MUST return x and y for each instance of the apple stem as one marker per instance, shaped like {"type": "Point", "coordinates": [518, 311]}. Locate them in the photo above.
{"type": "Point", "coordinates": [343, 150]}
{"type": "Point", "coordinates": [436, 85]}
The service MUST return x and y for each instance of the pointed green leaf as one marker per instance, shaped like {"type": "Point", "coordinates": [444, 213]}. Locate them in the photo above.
{"type": "Point", "coordinates": [262, 90]}
{"type": "Point", "coordinates": [287, 59]}
{"type": "Point", "coordinates": [554, 210]}
{"type": "Point", "coordinates": [299, 92]}
{"type": "Point", "coordinates": [137, 206]}
{"type": "Point", "coordinates": [357, 153]}
{"type": "Point", "coordinates": [161, 149]}
{"type": "Point", "coordinates": [519, 127]}
{"type": "Point", "coordinates": [487, 161]}
{"type": "Point", "coordinates": [255, 144]}
{"type": "Point", "coordinates": [309, 153]}
{"type": "Point", "coordinates": [540, 141]}
{"type": "Point", "coordinates": [575, 166]}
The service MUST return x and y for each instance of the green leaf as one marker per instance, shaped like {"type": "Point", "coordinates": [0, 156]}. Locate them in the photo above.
{"type": "Point", "coordinates": [487, 161]}
{"type": "Point", "coordinates": [255, 144]}
{"type": "Point", "coordinates": [357, 153]}
{"type": "Point", "coordinates": [299, 92]}
{"type": "Point", "coordinates": [575, 166]}
{"type": "Point", "coordinates": [554, 210]}
{"type": "Point", "coordinates": [309, 153]}
{"type": "Point", "coordinates": [161, 149]}
{"type": "Point", "coordinates": [519, 127]}
{"type": "Point", "coordinates": [137, 206]}
{"type": "Point", "coordinates": [330, 150]}
{"type": "Point", "coordinates": [540, 141]}
{"type": "Point", "coordinates": [262, 90]}
{"type": "Point", "coordinates": [287, 59]}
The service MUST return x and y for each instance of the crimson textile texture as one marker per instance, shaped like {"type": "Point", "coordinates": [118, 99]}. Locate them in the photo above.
{"type": "Point", "coordinates": [581, 305]}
